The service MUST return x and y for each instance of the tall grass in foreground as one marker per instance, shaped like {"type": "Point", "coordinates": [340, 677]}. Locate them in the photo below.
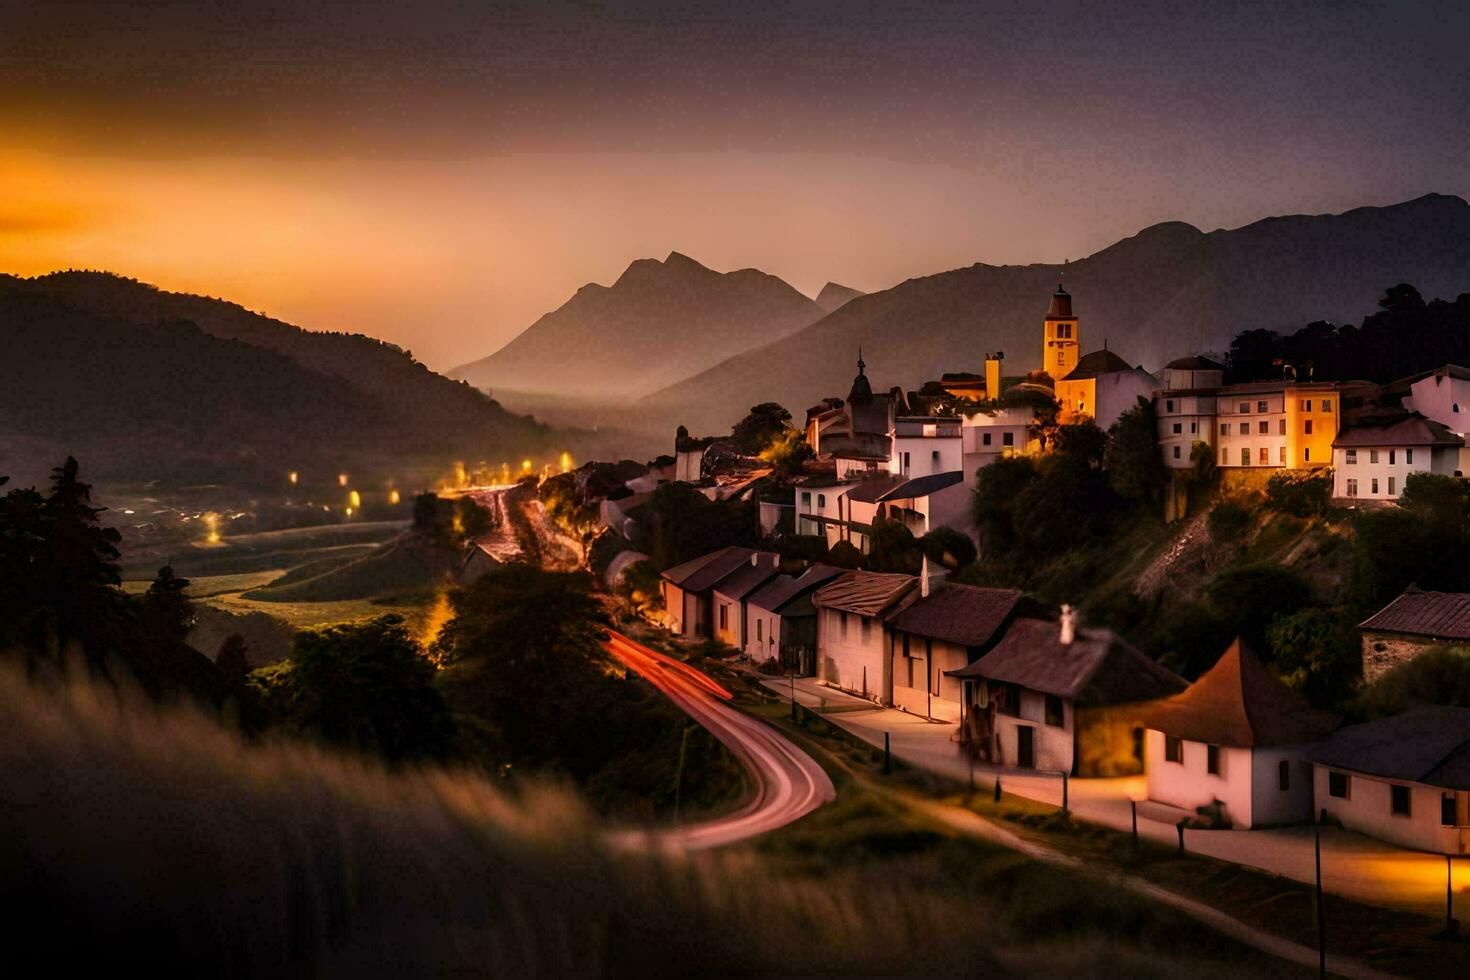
{"type": "Point", "coordinates": [136, 836]}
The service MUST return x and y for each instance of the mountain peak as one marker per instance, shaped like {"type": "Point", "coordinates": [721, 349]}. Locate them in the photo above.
{"type": "Point", "coordinates": [679, 259]}
{"type": "Point", "coordinates": [834, 295]}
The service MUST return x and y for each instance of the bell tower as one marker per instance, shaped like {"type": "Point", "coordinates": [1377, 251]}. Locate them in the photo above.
{"type": "Point", "coordinates": [1059, 352]}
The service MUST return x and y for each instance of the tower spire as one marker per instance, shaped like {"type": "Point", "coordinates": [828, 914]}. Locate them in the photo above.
{"type": "Point", "coordinates": [861, 365]}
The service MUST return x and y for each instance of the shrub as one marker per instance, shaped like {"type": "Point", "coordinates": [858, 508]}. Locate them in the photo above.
{"type": "Point", "coordinates": [1228, 521]}
{"type": "Point", "coordinates": [1317, 652]}
{"type": "Point", "coordinates": [1436, 677]}
{"type": "Point", "coordinates": [1300, 494]}
{"type": "Point", "coordinates": [1249, 598]}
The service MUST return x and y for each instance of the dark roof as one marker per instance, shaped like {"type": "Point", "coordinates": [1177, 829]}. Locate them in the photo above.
{"type": "Point", "coordinates": [1097, 363]}
{"type": "Point", "coordinates": [1061, 305]}
{"type": "Point", "coordinates": [964, 614]}
{"type": "Point", "coordinates": [1429, 745]}
{"type": "Point", "coordinates": [864, 593]}
{"type": "Point", "coordinates": [743, 581]}
{"type": "Point", "coordinates": [1195, 363]}
{"type": "Point", "coordinates": [1239, 702]}
{"type": "Point", "coordinates": [1444, 615]}
{"type": "Point", "coordinates": [1097, 668]}
{"type": "Point", "coordinates": [785, 589]}
{"type": "Point", "coordinates": [956, 377]}
{"type": "Point", "coordinates": [889, 487]}
{"type": "Point", "coordinates": [703, 572]}
{"type": "Point", "coordinates": [1408, 429]}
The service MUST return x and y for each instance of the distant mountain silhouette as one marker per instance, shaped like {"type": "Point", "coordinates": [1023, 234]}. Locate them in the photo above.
{"type": "Point", "coordinates": [835, 294]}
{"type": "Point", "coordinates": [1168, 291]}
{"type": "Point", "coordinates": [659, 323]}
{"type": "Point", "coordinates": [155, 385]}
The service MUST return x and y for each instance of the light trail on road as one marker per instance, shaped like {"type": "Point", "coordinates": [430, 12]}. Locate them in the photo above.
{"type": "Point", "coordinates": [788, 783]}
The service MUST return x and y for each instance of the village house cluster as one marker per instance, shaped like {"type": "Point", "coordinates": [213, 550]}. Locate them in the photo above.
{"type": "Point", "coordinates": [1029, 688]}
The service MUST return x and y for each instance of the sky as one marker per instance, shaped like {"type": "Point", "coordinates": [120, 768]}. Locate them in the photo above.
{"type": "Point", "coordinates": [441, 174]}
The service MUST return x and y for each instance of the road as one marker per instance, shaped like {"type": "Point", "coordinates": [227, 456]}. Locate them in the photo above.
{"type": "Point", "coordinates": [521, 529]}
{"type": "Point", "coordinates": [788, 783]}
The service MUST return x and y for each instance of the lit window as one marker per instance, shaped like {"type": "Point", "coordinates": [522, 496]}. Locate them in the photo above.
{"type": "Point", "coordinates": [1283, 454]}
{"type": "Point", "coordinates": [1265, 456]}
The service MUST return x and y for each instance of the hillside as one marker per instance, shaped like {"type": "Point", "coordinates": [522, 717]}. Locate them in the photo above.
{"type": "Point", "coordinates": [1170, 290]}
{"type": "Point", "coordinates": [145, 397]}
{"type": "Point", "coordinates": [834, 294]}
{"type": "Point", "coordinates": [444, 416]}
{"type": "Point", "coordinates": [659, 323]}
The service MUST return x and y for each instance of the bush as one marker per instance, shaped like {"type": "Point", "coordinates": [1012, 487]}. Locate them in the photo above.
{"type": "Point", "coordinates": [1228, 521]}
{"type": "Point", "coordinates": [949, 548]}
{"type": "Point", "coordinates": [1436, 677]}
{"type": "Point", "coordinates": [1300, 494]}
{"type": "Point", "coordinates": [1317, 652]}
{"type": "Point", "coordinates": [1249, 598]}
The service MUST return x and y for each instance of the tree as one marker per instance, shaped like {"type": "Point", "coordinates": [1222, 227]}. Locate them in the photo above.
{"type": "Point", "coordinates": [1299, 494]}
{"type": "Point", "coordinates": [998, 487]}
{"type": "Point", "coordinates": [760, 428]}
{"type": "Point", "coordinates": [1316, 650]}
{"type": "Point", "coordinates": [787, 452]}
{"type": "Point", "coordinates": [948, 548]}
{"type": "Point", "coordinates": [364, 686]}
{"type": "Point", "coordinates": [1203, 471]}
{"type": "Point", "coordinates": [1132, 459]}
{"type": "Point", "coordinates": [892, 548]}
{"type": "Point", "coordinates": [1251, 597]}
{"type": "Point", "coordinates": [166, 607]}
{"type": "Point", "coordinates": [231, 659]}
{"type": "Point", "coordinates": [1442, 502]}
{"type": "Point", "coordinates": [1080, 444]}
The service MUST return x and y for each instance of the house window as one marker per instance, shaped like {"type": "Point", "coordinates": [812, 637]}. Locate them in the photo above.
{"type": "Point", "coordinates": [806, 499]}
{"type": "Point", "coordinates": [1375, 486]}
{"type": "Point", "coordinates": [1169, 405]}
{"type": "Point", "coordinates": [1408, 457]}
{"type": "Point", "coordinates": [1212, 759]}
{"type": "Point", "coordinates": [1176, 452]}
{"type": "Point", "coordinates": [1173, 750]}
{"type": "Point", "coordinates": [1372, 455]}
{"type": "Point", "coordinates": [724, 616]}
{"type": "Point", "coordinates": [1054, 712]}
{"type": "Point", "coordinates": [1447, 815]}
{"type": "Point", "coordinates": [1390, 456]}
{"type": "Point", "coordinates": [1398, 800]}
{"type": "Point", "coordinates": [844, 626]}
{"type": "Point", "coordinates": [1224, 428]}
{"type": "Point", "coordinates": [1283, 775]}
{"type": "Point", "coordinates": [1352, 488]}
{"type": "Point", "coordinates": [1306, 404]}
{"type": "Point", "coordinates": [1352, 457]}
{"type": "Point", "coordinates": [1007, 699]}
{"type": "Point", "coordinates": [1265, 456]}
{"type": "Point", "coordinates": [1224, 457]}
{"type": "Point", "coordinates": [985, 438]}
{"type": "Point", "coordinates": [1260, 406]}
{"type": "Point", "coordinates": [1263, 427]}
{"type": "Point", "coordinates": [1455, 407]}
{"type": "Point", "coordinates": [1245, 456]}
{"type": "Point", "coordinates": [821, 501]}
{"type": "Point", "coordinates": [1337, 785]}
{"type": "Point", "coordinates": [1390, 486]}
{"type": "Point", "coordinates": [934, 456]}
{"type": "Point", "coordinates": [1194, 428]}
{"type": "Point", "coordinates": [1007, 438]}
{"type": "Point", "coordinates": [1178, 428]}
{"type": "Point", "coordinates": [1281, 427]}
{"type": "Point", "coordinates": [758, 625]}
{"type": "Point", "coordinates": [1245, 408]}
{"type": "Point", "coordinates": [1307, 427]}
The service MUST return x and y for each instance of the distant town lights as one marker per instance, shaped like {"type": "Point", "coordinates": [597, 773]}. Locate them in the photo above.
{"type": "Point", "coordinates": [525, 466]}
{"type": "Point", "coordinates": [354, 500]}
{"type": "Point", "coordinates": [566, 462]}
{"type": "Point", "coordinates": [393, 497]}
{"type": "Point", "coordinates": [293, 477]}
{"type": "Point", "coordinates": [341, 479]}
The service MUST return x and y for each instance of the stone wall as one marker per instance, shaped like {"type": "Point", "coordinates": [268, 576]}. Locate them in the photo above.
{"type": "Point", "coordinates": [1384, 651]}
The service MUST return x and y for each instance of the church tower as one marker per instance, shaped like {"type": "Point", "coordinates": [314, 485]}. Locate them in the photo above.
{"type": "Point", "coordinates": [1059, 354]}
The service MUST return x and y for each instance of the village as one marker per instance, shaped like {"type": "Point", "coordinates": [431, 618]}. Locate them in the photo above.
{"type": "Point", "coordinates": [960, 678]}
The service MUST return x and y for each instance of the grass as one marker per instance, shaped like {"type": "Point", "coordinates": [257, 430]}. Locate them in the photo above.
{"type": "Point", "coordinates": [162, 842]}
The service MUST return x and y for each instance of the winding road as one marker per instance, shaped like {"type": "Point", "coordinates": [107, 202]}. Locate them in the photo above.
{"type": "Point", "coordinates": [788, 783]}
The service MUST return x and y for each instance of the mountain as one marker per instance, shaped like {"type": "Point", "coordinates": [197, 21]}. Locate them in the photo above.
{"type": "Point", "coordinates": [141, 383]}
{"type": "Point", "coordinates": [1168, 291]}
{"type": "Point", "coordinates": [834, 294]}
{"type": "Point", "coordinates": [659, 323]}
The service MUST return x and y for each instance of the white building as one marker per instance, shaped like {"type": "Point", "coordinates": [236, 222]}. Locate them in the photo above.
{"type": "Point", "coordinates": [1404, 779]}
{"type": "Point", "coordinates": [1186, 407]}
{"type": "Point", "coordinates": [1237, 738]}
{"type": "Point", "coordinates": [687, 588]}
{"type": "Point", "coordinates": [920, 504]}
{"type": "Point", "coordinates": [1049, 697]}
{"type": "Point", "coordinates": [851, 646]}
{"type": "Point", "coordinates": [781, 622]}
{"type": "Point", "coordinates": [1374, 456]}
{"type": "Point", "coordinates": [821, 507]}
{"type": "Point", "coordinates": [1444, 396]}
{"type": "Point", "coordinates": [987, 436]}
{"type": "Point", "coordinates": [923, 446]}
{"type": "Point", "coordinates": [727, 598]}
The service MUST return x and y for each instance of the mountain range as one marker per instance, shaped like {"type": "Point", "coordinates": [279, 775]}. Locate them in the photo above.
{"type": "Point", "coordinates": [140, 383]}
{"type": "Point", "coordinates": [660, 323]}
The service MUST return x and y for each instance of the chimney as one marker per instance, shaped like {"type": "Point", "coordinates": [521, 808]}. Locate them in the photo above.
{"type": "Point", "coordinates": [1069, 625]}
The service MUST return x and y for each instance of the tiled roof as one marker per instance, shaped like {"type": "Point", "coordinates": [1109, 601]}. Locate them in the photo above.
{"type": "Point", "coordinates": [784, 588]}
{"type": "Point", "coordinates": [1096, 669]}
{"type": "Point", "coordinates": [743, 581]}
{"type": "Point", "coordinates": [1443, 615]}
{"type": "Point", "coordinates": [897, 488]}
{"type": "Point", "coordinates": [1430, 745]}
{"type": "Point", "coordinates": [701, 573]}
{"type": "Point", "coordinates": [864, 593]}
{"type": "Point", "coordinates": [1410, 429]}
{"type": "Point", "coordinates": [963, 614]}
{"type": "Point", "coordinates": [1239, 702]}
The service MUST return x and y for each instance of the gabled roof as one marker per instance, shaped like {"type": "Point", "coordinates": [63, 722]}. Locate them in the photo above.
{"type": "Point", "coordinates": [967, 615]}
{"type": "Point", "coordinates": [1097, 668]}
{"type": "Point", "coordinates": [889, 487]}
{"type": "Point", "coordinates": [1430, 745]}
{"type": "Point", "coordinates": [701, 573]}
{"type": "Point", "coordinates": [1239, 702]}
{"type": "Point", "coordinates": [783, 590]}
{"type": "Point", "coordinates": [864, 593]}
{"type": "Point", "coordinates": [1408, 429]}
{"type": "Point", "coordinates": [1098, 363]}
{"type": "Point", "coordinates": [1442, 615]}
{"type": "Point", "coordinates": [759, 569]}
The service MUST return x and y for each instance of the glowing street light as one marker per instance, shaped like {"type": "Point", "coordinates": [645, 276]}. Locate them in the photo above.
{"type": "Point", "coordinates": [525, 466]}
{"type": "Point", "coordinates": [566, 462]}
{"type": "Point", "coordinates": [354, 500]}
{"type": "Point", "coordinates": [293, 477]}
{"type": "Point", "coordinates": [393, 497]}
{"type": "Point", "coordinates": [341, 479]}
